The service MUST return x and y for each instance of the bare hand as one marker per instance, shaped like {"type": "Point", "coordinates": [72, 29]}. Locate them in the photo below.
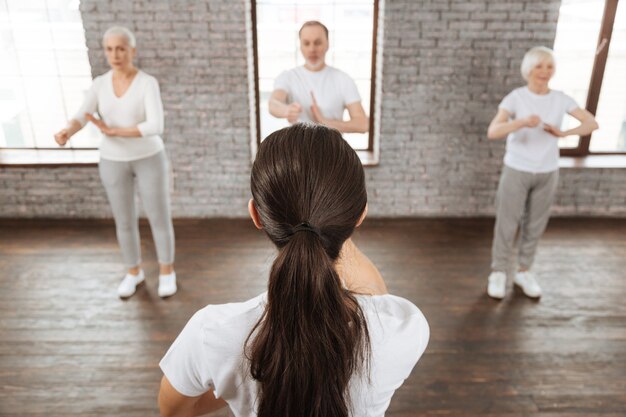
{"type": "Point", "coordinates": [62, 137]}
{"type": "Point", "coordinates": [318, 117]}
{"type": "Point", "coordinates": [293, 112]}
{"type": "Point", "coordinates": [109, 131]}
{"type": "Point", "coordinates": [532, 121]}
{"type": "Point", "coordinates": [553, 130]}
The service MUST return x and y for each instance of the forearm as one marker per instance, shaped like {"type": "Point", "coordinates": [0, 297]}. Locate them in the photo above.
{"type": "Point", "coordinates": [356, 125]}
{"type": "Point", "coordinates": [72, 127]}
{"type": "Point", "coordinates": [584, 129]}
{"type": "Point", "coordinates": [501, 130]}
{"type": "Point", "coordinates": [372, 279]}
{"type": "Point", "coordinates": [126, 132]}
{"type": "Point", "coordinates": [278, 109]}
{"type": "Point", "coordinates": [358, 272]}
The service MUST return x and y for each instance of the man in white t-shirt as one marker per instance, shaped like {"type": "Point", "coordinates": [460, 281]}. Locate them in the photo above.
{"type": "Point", "coordinates": [317, 92]}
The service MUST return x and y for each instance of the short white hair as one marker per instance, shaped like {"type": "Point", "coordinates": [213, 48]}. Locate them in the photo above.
{"type": "Point", "coordinates": [120, 31]}
{"type": "Point", "coordinates": [533, 57]}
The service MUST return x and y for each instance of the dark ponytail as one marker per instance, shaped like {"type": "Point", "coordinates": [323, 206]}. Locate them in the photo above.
{"type": "Point", "coordinates": [309, 191]}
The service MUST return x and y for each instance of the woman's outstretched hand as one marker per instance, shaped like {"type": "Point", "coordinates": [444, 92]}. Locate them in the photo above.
{"type": "Point", "coordinates": [109, 131]}
{"type": "Point", "coordinates": [553, 130]}
{"type": "Point", "coordinates": [62, 137]}
{"type": "Point", "coordinates": [318, 117]}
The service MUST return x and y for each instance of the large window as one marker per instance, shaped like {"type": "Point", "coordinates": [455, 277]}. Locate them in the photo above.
{"type": "Point", "coordinates": [44, 73]}
{"type": "Point", "coordinates": [590, 49]}
{"type": "Point", "coordinates": [352, 26]}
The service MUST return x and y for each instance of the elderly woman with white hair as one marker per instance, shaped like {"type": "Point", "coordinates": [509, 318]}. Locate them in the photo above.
{"type": "Point", "coordinates": [530, 118]}
{"type": "Point", "coordinates": [128, 103]}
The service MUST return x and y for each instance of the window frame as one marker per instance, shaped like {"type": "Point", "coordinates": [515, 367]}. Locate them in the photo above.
{"type": "Point", "coordinates": [368, 156]}
{"type": "Point", "coordinates": [595, 82]}
{"type": "Point", "coordinates": [45, 156]}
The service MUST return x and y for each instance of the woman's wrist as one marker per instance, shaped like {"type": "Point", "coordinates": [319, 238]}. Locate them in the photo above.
{"type": "Point", "coordinates": [72, 127]}
{"type": "Point", "coordinates": [285, 109]}
{"type": "Point", "coordinates": [519, 123]}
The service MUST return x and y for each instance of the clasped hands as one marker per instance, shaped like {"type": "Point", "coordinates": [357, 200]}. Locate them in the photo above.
{"type": "Point", "coordinates": [534, 121]}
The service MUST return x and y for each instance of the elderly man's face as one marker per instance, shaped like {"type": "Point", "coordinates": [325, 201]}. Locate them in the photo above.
{"type": "Point", "coordinates": [314, 45]}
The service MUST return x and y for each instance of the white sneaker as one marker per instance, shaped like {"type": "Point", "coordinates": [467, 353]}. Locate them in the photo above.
{"type": "Point", "coordinates": [167, 285]}
{"type": "Point", "coordinates": [129, 284]}
{"type": "Point", "coordinates": [527, 282]}
{"type": "Point", "coordinates": [497, 285]}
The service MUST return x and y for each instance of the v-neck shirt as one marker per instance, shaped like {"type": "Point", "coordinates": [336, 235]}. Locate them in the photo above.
{"type": "Point", "coordinates": [140, 106]}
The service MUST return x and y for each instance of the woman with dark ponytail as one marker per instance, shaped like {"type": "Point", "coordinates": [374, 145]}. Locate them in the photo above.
{"type": "Point", "coordinates": [326, 340]}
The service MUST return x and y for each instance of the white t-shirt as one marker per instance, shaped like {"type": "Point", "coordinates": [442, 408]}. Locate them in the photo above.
{"type": "Point", "coordinates": [333, 90]}
{"type": "Point", "coordinates": [209, 353]}
{"type": "Point", "coordinates": [533, 149]}
{"type": "Point", "coordinates": [140, 106]}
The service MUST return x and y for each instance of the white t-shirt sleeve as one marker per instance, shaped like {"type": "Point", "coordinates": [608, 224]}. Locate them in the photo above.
{"type": "Point", "coordinates": [350, 91]}
{"type": "Point", "coordinates": [405, 334]}
{"type": "Point", "coordinates": [90, 103]}
{"type": "Point", "coordinates": [422, 336]}
{"type": "Point", "coordinates": [570, 103]}
{"type": "Point", "coordinates": [508, 103]}
{"type": "Point", "coordinates": [282, 82]}
{"type": "Point", "coordinates": [153, 125]}
{"type": "Point", "coordinates": [415, 334]}
{"type": "Point", "coordinates": [184, 364]}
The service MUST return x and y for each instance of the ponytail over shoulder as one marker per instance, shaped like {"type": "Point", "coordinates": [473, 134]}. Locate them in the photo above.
{"type": "Point", "coordinates": [312, 337]}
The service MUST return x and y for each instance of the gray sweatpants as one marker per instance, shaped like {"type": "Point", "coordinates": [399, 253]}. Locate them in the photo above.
{"type": "Point", "coordinates": [522, 203]}
{"type": "Point", "coordinates": [118, 178]}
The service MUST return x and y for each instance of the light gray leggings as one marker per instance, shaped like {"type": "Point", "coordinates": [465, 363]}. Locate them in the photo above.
{"type": "Point", "coordinates": [118, 178]}
{"type": "Point", "coordinates": [523, 202]}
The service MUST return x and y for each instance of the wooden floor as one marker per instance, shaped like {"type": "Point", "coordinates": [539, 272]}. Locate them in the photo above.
{"type": "Point", "coordinates": [70, 347]}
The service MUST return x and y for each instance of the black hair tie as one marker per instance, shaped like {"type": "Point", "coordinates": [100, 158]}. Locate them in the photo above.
{"type": "Point", "coordinates": [306, 227]}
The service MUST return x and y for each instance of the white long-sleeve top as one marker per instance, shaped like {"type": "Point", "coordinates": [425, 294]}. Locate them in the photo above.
{"type": "Point", "coordinates": [140, 107]}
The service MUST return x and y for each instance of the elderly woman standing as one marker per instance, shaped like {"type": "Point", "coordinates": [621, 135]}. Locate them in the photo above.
{"type": "Point", "coordinates": [130, 111]}
{"type": "Point", "coordinates": [529, 117]}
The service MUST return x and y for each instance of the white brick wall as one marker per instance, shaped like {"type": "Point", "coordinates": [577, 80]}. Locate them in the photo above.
{"type": "Point", "coordinates": [446, 66]}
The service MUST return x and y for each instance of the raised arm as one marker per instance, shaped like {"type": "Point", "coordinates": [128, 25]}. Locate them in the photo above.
{"type": "Point", "coordinates": [279, 108]}
{"type": "Point", "coordinates": [78, 121]}
{"type": "Point", "coordinates": [129, 132]}
{"type": "Point", "coordinates": [587, 124]}
{"type": "Point", "coordinates": [64, 135]}
{"type": "Point", "coordinates": [358, 122]}
{"type": "Point", "coordinates": [174, 404]}
{"type": "Point", "coordinates": [358, 272]}
{"type": "Point", "coordinates": [501, 126]}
